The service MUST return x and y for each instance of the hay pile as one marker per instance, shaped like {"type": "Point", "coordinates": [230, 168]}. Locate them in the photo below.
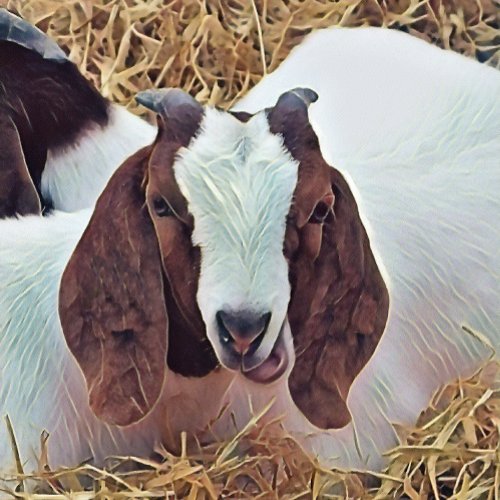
{"type": "Point", "coordinates": [453, 452]}
{"type": "Point", "coordinates": [217, 50]}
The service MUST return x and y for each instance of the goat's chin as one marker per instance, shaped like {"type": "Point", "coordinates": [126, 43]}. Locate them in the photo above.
{"type": "Point", "coordinates": [274, 366]}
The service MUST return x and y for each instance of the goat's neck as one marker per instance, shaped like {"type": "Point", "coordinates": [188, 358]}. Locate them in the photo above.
{"type": "Point", "coordinates": [74, 176]}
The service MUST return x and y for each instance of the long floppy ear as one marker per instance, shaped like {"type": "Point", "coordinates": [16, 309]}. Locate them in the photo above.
{"type": "Point", "coordinates": [339, 303]}
{"type": "Point", "coordinates": [111, 301]}
{"type": "Point", "coordinates": [337, 314]}
{"type": "Point", "coordinates": [18, 195]}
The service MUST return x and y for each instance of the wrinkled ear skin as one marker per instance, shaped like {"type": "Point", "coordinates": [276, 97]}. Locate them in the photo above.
{"type": "Point", "coordinates": [111, 301]}
{"type": "Point", "coordinates": [337, 313]}
{"type": "Point", "coordinates": [339, 302]}
{"type": "Point", "coordinates": [18, 195]}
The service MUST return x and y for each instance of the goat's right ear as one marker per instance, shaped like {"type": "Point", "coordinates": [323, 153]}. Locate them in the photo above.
{"type": "Point", "coordinates": [18, 195]}
{"type": "Point", "coordinates": [111, 301]}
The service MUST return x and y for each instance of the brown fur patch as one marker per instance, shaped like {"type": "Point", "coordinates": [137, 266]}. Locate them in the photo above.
{"type": "Point", "coordinates": [111, 301]}
{"type": "Point", "coordinates": [190, 352]}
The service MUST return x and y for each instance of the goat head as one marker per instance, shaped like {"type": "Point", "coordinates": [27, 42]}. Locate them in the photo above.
{"type": "Point", "coordinates": [208, 248]}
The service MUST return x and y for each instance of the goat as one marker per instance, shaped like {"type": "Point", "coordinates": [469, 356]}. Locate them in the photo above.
{"type": "Point", "coordinates": [164, 293]}
{"type": "Point", "coordinates": [349, 265]}
{"type": "Point", "coordinates": [60, 140]}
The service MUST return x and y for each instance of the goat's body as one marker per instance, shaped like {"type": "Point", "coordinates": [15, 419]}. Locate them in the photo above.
{"type": "Point", "coordinates": [427, 183]}
{"type": "Point", "coordinates": [75, 174]}
{"type": "Point", "coordinates": [71, 138]}
{"type": "Point", "coordinates": [45, 104]}
{"type": "Point", "coordinates": [42, 387]}
{"type": "Point", "coordinates": [417, 131]}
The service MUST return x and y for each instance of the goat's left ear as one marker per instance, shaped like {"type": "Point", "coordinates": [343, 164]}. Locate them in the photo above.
{"type": "Point", "coordinates": [338, 312]}
{"type": "Point", "coordinates": [111, 301]}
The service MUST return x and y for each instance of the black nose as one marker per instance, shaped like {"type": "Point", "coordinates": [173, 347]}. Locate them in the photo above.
{"type": "Point", "coordinates": [242, 330]}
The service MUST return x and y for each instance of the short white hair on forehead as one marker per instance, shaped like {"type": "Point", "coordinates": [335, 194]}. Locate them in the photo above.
{"type": "Point", "coordinates": [239, 181]}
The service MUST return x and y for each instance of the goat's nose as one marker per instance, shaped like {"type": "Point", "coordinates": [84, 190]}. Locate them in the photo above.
{"type": "Point", "coordinates": [243, 330]}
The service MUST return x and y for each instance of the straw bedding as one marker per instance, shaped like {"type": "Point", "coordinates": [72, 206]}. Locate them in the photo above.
{"type": "Point", "coordinates": [217, 50]}
{"type": "Point", "coordinates": [452, 452]}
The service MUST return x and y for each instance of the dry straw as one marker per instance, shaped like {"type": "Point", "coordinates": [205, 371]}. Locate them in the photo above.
{"type": "Point", "coordinates": [453, 452]}
{"type": "Point", "coordinates": [217, 50]}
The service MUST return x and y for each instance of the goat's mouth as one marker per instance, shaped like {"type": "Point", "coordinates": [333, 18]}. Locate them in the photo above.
{"type": "Point", "coordinates": [272, 368]}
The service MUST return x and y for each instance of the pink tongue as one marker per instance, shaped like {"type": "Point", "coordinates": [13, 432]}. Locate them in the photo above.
{"type": "Point", "coordinates": [272, 368]}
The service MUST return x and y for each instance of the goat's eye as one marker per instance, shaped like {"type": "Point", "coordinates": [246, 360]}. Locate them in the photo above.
{"type": "Point", "coordinates": [161, 207]}
{"type": "Point", "coordinates": [320, 213]}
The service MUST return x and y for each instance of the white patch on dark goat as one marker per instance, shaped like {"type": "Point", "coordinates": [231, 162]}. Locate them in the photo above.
{"type": "Point", "coordinates": [75, 175]}
{"type": "Point", "coordinates": [239, 181]}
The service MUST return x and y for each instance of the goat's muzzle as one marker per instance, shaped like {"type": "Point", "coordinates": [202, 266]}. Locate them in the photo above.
{"type": "Point", "coordinates": [241, 334]}
{"type": "Point", "coordinates": [242, 331]}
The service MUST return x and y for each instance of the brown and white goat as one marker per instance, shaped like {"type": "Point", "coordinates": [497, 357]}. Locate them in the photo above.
{"type": "Point", "coordinates": [225, 263]}
{"type": "Point", "coordinates": [421, 157]}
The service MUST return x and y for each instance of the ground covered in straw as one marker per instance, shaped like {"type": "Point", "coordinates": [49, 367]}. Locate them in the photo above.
{"type": "Point", "coordinates": [452, 452]}
{"type": "Point", "coordinates": [217, 50]}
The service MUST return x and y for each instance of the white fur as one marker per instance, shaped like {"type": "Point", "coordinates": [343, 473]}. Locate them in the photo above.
{"type": "Point", "coordinates": [239, 181]}
{"type": "Point", "coordinates": [75, 176]}
{"type": "Point", "coordinates": [417, 132]}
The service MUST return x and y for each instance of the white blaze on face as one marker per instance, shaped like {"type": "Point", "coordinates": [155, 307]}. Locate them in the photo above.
{"type": "Point", "coordinates": [239, 180]}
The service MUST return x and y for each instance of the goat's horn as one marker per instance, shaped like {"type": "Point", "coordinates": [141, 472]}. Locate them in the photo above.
{"type": "Point", "coordinates": [16, 30]}
{"type": "Point", "coordinates": [308, 96]}
{"type": "Point", "coordinates": [181, 114]}
{"type": "Point", "coordinates": [297, 98]}
{"type": "Point", "coordinates": [289, 115]}
{"type": "Point", "coordinates": [166, 101]}
{"type": "Point", "coordinates": [291, 109]}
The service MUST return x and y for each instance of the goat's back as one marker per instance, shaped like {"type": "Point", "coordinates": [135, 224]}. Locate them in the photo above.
{"type": "Point", "coordinates": [417, 131]}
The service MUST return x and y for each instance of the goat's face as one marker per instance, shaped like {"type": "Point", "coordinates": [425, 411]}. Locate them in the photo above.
{"type": "Point", "coordinates": [230, 230]}
{"type": "Point", "coordinates": [238, 181]}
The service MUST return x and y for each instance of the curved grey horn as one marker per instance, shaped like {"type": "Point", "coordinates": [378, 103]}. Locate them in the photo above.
{"type": "Point", "coordinates": [291, 109]}
{"type": "Point", "coordinates": [16, 30]}
{"type": "Point", "coordinates": [166, 101]}
{"type": "Point", "coordinates": [181, 114]}
{"type": "Point", "coordinates": [297, 98]}
{"type": "Point", "coordinates": [308, 96]}
{"type": "Point", "coordinates": [290, 118]}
